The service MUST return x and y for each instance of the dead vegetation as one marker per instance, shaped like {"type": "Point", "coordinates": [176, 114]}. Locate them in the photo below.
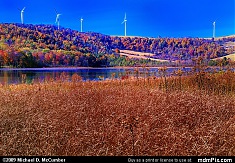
{"type": "Point", "coordinates": [141, 116]}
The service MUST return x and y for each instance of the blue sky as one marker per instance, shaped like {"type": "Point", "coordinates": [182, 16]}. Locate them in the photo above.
{"type": "Point", "coordinates": [149, 18]}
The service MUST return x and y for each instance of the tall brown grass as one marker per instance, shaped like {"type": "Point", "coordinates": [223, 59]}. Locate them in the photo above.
{"type": "Point", "coordinates": [120, 117]}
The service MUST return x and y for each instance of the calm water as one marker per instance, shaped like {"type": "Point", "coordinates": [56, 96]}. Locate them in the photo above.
{"type": "Point", "coordinates": [29, 75]}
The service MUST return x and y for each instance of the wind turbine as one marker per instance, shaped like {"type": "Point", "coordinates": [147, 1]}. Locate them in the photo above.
{"type": "Point", "coordinates": [81, 23]}
{"type": "Point", "coordinates": [214, 29]}
{"type": "Point", "coordinates": [124, 21]}
{"type": "Point", "coordinates": [57, 20]}
{"type": "Point", "coordinates": [22, 15]}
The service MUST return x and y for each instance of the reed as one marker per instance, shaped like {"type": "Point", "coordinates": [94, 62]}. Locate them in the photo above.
{"type": "Point", "coordinates": [119, 117]}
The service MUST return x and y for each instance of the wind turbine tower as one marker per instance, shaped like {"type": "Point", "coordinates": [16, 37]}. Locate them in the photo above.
{"type": "Point", "coordinates": [81, 23]}
{"type": "Point", "coordinates": [22, 15]}
{"type": "Point", "coordinates": [214, 29]}
{"type": "Point", "coordinates": [124, 21]}
{"type": "Point", "coordinates": [57, 20]}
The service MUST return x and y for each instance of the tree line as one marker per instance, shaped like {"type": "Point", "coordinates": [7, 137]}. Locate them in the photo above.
{"type": "Point", "coordinates": [43, 45]}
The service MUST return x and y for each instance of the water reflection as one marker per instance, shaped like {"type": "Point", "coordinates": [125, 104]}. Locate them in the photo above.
{"type": "Point", "coordinates": [16, 76]}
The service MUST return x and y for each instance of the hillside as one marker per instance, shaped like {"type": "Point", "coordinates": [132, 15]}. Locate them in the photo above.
{"type": "Point", "coordinates": [140, 55]}
{"type": "Point", "coordinates": [230, 56]}
{"type": "Point", "coordinates": [44, 45]}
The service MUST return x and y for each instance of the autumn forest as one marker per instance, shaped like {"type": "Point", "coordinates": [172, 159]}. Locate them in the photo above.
{"type": "Point", "coordinates": [46, 46]}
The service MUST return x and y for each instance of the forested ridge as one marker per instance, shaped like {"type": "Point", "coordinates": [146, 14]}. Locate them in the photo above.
{"type": "Point", "coordinates": [45, 46]}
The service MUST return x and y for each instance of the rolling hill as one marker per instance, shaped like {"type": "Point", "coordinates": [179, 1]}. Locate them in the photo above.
{"type": "Point", "coordinates": [43, 45]}
{"type": "Point", "coordinates": [140, 55]}
{"type": "Point", "coordinates": [230, 56]}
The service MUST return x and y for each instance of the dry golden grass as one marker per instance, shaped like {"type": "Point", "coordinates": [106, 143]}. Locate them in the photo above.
{"type": "Point", "coordinates": [140, 55]}
{"type": "Point", "coordinates": [231, 56]}
{"type": "Point", "coordinates": [115, 117]}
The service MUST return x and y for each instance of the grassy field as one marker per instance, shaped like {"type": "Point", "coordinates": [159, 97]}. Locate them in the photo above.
{"type": "Point", "coordinates": [140, 55]}
{"type": "Point", "coordinates": [177, 116]}
{"type": "Point", "coordinates": [231, 56]}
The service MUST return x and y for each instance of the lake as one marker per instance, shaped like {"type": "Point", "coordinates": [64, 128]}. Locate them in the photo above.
{"type": "Point", "coordinates": [29, 75]}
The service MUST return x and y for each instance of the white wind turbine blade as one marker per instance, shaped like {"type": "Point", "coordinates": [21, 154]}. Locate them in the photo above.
{"type": "Point", "coordinates": [57, 17]}
{"type": "Point", "coordinates": [22, 15]}
{"type": "Point", "coordinates": [214, 29]}
{"type": "Point", "coordinates": [23, 9]}
{"type": "Point", "coordinates": [58, 20]}
{"type": "Point", "coordinates": [81, 23]}
{"type": "Point", "coordinates": [124, 20]}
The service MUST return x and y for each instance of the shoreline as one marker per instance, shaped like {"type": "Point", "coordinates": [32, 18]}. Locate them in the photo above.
{"type": "Point", "coordinates": [98, 68]}
{"type": "Point", "coordinates": [80, 68]}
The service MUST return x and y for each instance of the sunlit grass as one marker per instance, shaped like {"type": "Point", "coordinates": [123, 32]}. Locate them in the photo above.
{"type": "Point", "coordinates": [230, 56]}
{"type": "Point", "coordinates": [119, 117]}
